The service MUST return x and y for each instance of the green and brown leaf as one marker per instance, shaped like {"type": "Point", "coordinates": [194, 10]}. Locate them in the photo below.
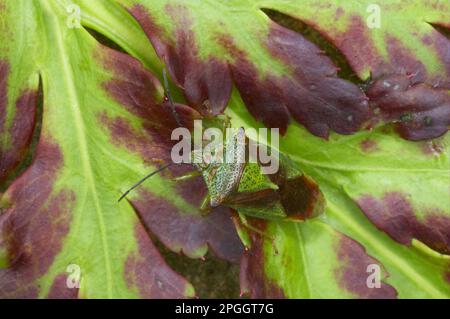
{"type": "Point", "coordinates": [374, 141]}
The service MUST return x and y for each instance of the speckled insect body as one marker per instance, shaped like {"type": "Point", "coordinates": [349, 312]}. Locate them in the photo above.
{"type": "Point", "coordinates": [240, 184]}
{"type": "Point", "coordinates": [234, 181]}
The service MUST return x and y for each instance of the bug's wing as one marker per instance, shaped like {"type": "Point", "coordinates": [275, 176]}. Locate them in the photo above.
{"type": "Point", "coordinates": [253, 179]}
{"type": "Point", "coordinates": [263, 204]}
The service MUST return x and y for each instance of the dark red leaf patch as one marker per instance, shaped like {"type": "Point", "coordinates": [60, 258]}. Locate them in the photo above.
{"type": "Point", "coordinates": [353, 274]}
{"type": "Point", "coordinates": [147, 270]}
{"type": "Point", "coordinates": [262, 97]}
{"type": "Point", "coordinates": [368, 145]}
{"type": "Point", "coordinates": [314, 95]}
{"type": "Point", "coordinates": [138, 90]}
{"type": "Point", "coordinates": [394, 215]}
{"type": "Point", "coordinates": [16, 136]}
{"type": "Point", "coordinates": [133, 86]}
{"type": "Point", "coordinates": [418, 110]}
{"type": "Point", "coordinates": [404, 92]}
{"type": "Point", "coordinates": [34, 224]}
{"type": "Point", "coordinates": [441, 44]}
{"type": "Point", "coordinates": [122, 134]}
{"type": "Point", "coordinates": [60, 289]}
{"type": "Point", "coordinates": [402, 62]}
{"type": "Point", "coordinates": [189, 232]}
{"type": "Point", "coordinates": [357, 45]}
{"type": "Point", "coordinates": [207, 85]}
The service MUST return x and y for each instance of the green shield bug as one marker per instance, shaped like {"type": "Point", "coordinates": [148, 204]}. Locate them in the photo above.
{"type": "Point", "coordinates": [236, 181]}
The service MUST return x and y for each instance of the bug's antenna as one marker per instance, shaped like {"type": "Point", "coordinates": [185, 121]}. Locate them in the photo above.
{"type": "Point", "coordinates": [143, 180]}
{"type": "Point", "coordinates": [169, 96]}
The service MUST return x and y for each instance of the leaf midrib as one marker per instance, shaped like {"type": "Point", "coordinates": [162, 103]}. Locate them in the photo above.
{"type": "Point", "coordinates": [304, 260]}
{"type": "Point", "coordinates": [364, 169]}
{"type": "Point", "coordinates": [72, 98]}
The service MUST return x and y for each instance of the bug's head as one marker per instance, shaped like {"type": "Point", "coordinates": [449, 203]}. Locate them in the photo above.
{"type": "Point", "coordinates": [214, 202]}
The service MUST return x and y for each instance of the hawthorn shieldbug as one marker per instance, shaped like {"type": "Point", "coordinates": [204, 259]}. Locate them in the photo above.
{"type": "Point", "coordinates": [234, 181]}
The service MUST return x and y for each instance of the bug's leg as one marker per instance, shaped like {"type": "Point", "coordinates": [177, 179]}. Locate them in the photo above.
{"type": "Point", "coordinates": [240, 229]}
{"type": "Point", "coordinates": [187, 176]}
{"type": "Point", "coordinates": [227, 122]}
{"type": "Point", "coordinates": [205, 207]}
{"type": "Point", "coordinates": [246, 224]}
